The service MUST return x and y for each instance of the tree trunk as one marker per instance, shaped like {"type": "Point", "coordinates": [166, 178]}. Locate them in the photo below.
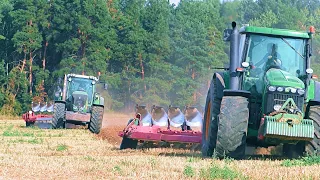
{"type": "Point", "coordinates": [44, 56]}
{"type": "Point", "coordinates": [195, 92]}
{"type": "Point", "coordinates": [83, 53]}
{"type": "Point", "coordinates": [24, 61]}
{"type": "Point", "coordinates": [142, 71]}
{"type": "Point", "coordinates": [30, 72]}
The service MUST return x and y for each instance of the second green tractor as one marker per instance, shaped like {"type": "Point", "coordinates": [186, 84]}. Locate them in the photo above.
{"type": "Point", "coordinates": [79, 103]}
{"type": "Point", "coordinates": [267, 97]}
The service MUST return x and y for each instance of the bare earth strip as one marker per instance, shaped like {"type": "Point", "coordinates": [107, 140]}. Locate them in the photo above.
{"type": "Point", "coordinates": [31, 153]}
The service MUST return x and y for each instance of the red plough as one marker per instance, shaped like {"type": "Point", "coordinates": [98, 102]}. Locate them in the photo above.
{"type": "Point", "coordinates": [41, 120]}
{"type": "Point", "coordinates": [155, 133]}
{"type": "Point", "coordinates": [161, 126]}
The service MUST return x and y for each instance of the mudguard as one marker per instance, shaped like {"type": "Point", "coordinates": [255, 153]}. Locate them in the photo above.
{"type": "Point", "coordinates": [60, 101]}
{"type": "Point", "coordinates": [98, 101]}
{"type": "Point", "coordinates": [314, 93]}
{"type": "Point", "coordinates": [241, 93]}
{"type": "Point", "coordinates": [220, 83]}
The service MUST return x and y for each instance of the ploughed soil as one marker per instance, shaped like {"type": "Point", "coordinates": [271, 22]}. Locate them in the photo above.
{"type": "Point", "coordinates": [112, 124]}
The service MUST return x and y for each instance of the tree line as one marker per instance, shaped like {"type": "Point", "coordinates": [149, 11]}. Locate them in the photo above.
{"type": "Point", "coordinates": [148, 51]}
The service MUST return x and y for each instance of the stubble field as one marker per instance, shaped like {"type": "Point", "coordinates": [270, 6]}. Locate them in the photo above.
{"type": "Point", "coordinates": [32, 153]}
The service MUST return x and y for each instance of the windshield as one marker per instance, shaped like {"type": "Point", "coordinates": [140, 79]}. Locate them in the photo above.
{"type": "Point", "coordinates": [285, 53]}
{"type": "Point", "coordinates": [80, 84]}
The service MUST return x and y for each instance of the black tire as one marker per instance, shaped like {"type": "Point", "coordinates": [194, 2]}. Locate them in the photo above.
{"type": "Point", "coordinates": [232, 127]}
{"type": "Point", "coordinates": [128, 143]}
{"type": "Point", "coordinates": [96, 119]}
{"type": "Point", "coordinates": [59, 115]}
{"type": "Point", "coordinates": [293, 151]}
{"type": "Point", "coordinates": [28, 124]}
{"type": "Point", "coordinates": [210, 124]}
{"type": "Point", "coordinates": [313, 147]}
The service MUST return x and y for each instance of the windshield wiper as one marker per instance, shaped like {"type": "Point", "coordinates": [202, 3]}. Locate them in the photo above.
{"type": "Point", "coordinates": [291, 47]}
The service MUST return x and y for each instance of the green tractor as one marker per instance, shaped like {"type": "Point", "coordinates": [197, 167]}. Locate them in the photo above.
{"type": "Point", "coordinates": [267, 97]}
{"type": "Point", "coordinates": [78, 103]}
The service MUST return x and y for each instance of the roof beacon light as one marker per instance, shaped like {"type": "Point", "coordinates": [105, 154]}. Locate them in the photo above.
{"type": "Point", "coordinates": [312, 30]}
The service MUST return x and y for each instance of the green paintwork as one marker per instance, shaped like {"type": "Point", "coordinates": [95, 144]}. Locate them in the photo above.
{"type": "Point", "coordinates": [226, 78]}
{"type": "Point", "coordinates": [286, 126]}
{"type": "Point", "coordinates": [273, 31]}
{"type": "Point", "coordinates": [277, 77]}
{"type": "Point", "coordinates": [286, 131]}
{"type": "Point", "coordinates": [98, 100]}
{"type": "Point", "coordinates": [311, 91]}
{"type": "Point", "coordinates": [252, 132]}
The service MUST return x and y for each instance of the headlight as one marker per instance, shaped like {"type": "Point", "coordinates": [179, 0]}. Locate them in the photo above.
{"type": "Point", "coordinates": [301, 91]}
{"type": "Point", "coordinates": [280, 89]}
{"type": "Point", "coordinates": [271, 88]}
{"type": "Point", "coordinates": [293, 90]}
{"type": "Point", "coordinates": [287, 89]}
{"type": "Point", "coordinates": [277, 107]}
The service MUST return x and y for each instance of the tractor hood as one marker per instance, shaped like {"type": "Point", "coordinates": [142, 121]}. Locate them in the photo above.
{"type": "Point", "coordinates": [278, 77]}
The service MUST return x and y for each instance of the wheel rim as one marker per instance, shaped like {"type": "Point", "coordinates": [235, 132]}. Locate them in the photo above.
{"type": "Point", "coordinates": [208, 113]}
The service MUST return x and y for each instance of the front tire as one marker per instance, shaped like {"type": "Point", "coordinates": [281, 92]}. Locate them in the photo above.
{"type": "Point", "coordinates": [210, 124]}
{"type": "Point", "coordinates": [313, 147]}
{"type": "Point", "coordinates": [59, 115]}
{"type": "Point", "coordinates": [232, 127]}
{"type": "Point", "coordinates": [96, 119]}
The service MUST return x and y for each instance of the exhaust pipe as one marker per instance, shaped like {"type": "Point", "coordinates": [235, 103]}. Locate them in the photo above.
{"type": "Point", "coordinates": [234, 57]}
{"type": "Point", "coordinates": [64, 88]}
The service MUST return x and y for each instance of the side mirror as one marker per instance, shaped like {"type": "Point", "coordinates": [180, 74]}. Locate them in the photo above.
{"type": "Point", "coordinates": [105, 86]}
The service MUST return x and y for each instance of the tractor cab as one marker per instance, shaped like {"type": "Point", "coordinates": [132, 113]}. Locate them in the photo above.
{"type": "Point", "coordinates": [80, 92]}
{"type": "Point", "coordinates": [79, 103]}
{"type": "Point", "coordinates": [276, 66]}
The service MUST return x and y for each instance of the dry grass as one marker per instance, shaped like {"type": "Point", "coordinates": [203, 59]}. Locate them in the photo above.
{"type": "Point", "coordinates": [31, 153]}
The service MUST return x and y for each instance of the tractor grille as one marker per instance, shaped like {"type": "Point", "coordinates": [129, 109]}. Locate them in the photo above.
{"type": "Point", "coordinates": [280, 98]}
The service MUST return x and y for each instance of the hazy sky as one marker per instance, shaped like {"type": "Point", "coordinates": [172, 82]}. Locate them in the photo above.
{"type": "Point", "coordinates": [175, 1]}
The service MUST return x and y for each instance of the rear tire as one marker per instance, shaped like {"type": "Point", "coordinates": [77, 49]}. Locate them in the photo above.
{"type": "Point", "coordinates": [313, 147]}
{"type": "Point", "coordinates": [128, 143]}
{"type": "Point", "coordinates": [59, 115]}
{"type": "Point", "coordinates": [96, 119]}
{"type": "Point", "coordinates": [232, 127]}
{"type": "Point", "coordinates": [210, 124]}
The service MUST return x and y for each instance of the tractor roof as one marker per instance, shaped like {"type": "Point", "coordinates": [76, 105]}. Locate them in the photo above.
{"type": "Point", "coordinates": [273, 31]}
{"type": "Point", "coordinates": [83, 76]}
